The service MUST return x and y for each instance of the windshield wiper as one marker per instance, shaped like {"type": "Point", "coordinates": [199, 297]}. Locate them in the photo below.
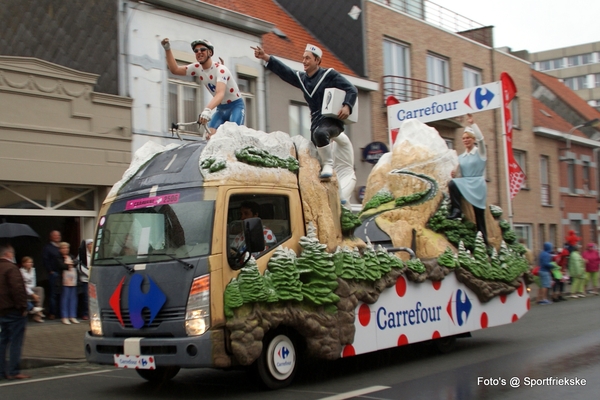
{"type": "Point", "coordinates": [127, 267]}
{"type": "Point", "coordinates": [172, 257]}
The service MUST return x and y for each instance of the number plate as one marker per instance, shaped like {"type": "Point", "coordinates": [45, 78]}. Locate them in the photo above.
{"type": "Point", "coordinates": [134, 362]}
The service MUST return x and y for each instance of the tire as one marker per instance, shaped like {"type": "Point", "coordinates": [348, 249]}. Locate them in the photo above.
{"type": "Point", "coordinates": [278, 362]}
{"type": "Point", "coordinates": [158, 375]}
{"type": "Point", "coordinates": [446, 344]}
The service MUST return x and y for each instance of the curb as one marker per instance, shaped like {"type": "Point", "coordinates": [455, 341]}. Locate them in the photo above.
{"type": "Point", "coordinates": [31, 363]}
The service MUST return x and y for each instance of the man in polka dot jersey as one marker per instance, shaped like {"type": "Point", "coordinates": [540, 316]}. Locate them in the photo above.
{"type": "Point", "coordinates": [249, 209]}
{"type": "Point", "coordinates": [217, 78]}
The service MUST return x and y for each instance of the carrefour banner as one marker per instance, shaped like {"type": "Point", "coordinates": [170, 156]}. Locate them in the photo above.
{"type": "Point", "coordinates": [447, 105]}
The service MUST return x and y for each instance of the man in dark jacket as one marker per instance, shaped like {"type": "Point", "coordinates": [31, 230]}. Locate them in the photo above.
{"type": "Point", "coordinates": [313, 81]}
{"type": "Point", "coordinates": [13, 314]}
{"type": "Point", "coordinates": [50, 257]}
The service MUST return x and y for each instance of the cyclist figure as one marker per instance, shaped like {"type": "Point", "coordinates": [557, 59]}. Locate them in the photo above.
{"type": "Point", "coordinates": [219, 81]}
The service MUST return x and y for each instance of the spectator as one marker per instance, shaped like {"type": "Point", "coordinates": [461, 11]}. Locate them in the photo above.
{"type": "Point", "coordinates": [13, 314]}
{"type": "Point", "coordinates": [50, 257]}
{"type": "Point", "coordinates": [577, 272]}
{"type": "Point", "coordinates": [545, 263]}
{"type": "Point", "coordinates": [35, 294]}
{"type": "Point", "coordinates": [562, 260]}
{"type": "Point", "coordinates": [83, 270]}
{"type": "Point", "coordinates": [592, 262]}
{"type": "Point", "coordinates": [68, 298]}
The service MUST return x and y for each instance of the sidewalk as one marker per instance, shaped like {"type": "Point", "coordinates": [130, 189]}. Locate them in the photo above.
{"type": "Point", "coordinates": [53, 343]}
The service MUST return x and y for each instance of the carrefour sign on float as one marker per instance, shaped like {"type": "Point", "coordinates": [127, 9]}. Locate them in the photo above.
{"type": "Point", "coordinates": [447, 105]}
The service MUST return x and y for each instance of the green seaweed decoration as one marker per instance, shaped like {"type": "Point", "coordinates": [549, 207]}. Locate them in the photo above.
{"type": "Point", "coordinates": [251, 282]}
{"type": "Point", "coordinates": [213, 164]}
{"type": "Point", "coordinates": [372, 263]}
{"type": "Point", "coordinates": [381, 197]}
{"type": "Point", "coordinates": [317, 270]}
{"type": "Point", "coordinates": [387, 261]}
{"type": "Point", "coordinates": [271, 292]}
{"type": "Point", "coordinates": [349, 222]}
{"type": "Point", "coordinates": [262, 158]}
{"type": "Point", "coordinates": [284, 275]}
{"type": "Point", "coordinates": [448, 259]}
{"type": "Point", "coordinates": [496, 211]}
{"type": "Point", "coordinates": [232, 298]}
{"type": "Point", "coordinates": [411, 198]}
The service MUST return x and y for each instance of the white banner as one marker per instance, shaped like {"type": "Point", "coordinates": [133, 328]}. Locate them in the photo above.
{"type": "Point", "coordinates": [447, 105]}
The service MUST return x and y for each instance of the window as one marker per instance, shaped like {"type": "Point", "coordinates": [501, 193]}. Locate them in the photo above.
{"type": "Point", "coordinates": [185, 100]}
{"type": "Point", "coordinates": [521, 159]}
{"type": "Point", "coordinates": [571, 175]}
{"type": "Point", "coordinates": [596, 80]}
{"type": "Point", "coordinates": [541, 235]}
{"type": "Point", "coordinates": [396, 70]}
{"type": "Point", "coordinates": [553, 233]}
{"type": "Point", "coordinates": [299, 115]}
{"type": "Point", "coordinates": [523, 231]}
{"type": "Point", "coordinates": [438, 75]}
{"type": "Point", "coordinates": [593, 231]}
{"type": "Point", "coordinates": [247, 86]}
{"type": "Point", "coordinates": [47, 197]}
{"type": "Point", "coordinates": [573, 61]}
{"type": "Point", "coordinates": [515, 112]}
{"type": "Point", "coordinates": [585, 176]}
{"type": "Point", "coordinates": [273, 210]}
{"type": "Point", "coordinates": [576, 82]}
{"type": "Point", "coordinates": [471, 77]}
{"type": "Point", "coordinates": [587, 58]}
{"type": "Point", "coordinates": [544, 181]}
{"type": "Point", "coordinates": [449, 143]}
{"type": "Point", "coordinates": [576, 226]}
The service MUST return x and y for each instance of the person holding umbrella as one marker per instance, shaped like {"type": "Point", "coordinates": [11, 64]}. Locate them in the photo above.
{"type": "Point", "coordinates": [13, 314]}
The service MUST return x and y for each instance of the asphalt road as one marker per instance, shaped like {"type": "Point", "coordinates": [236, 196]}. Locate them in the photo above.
{"type": "Point", "coordinates": [549, 344]}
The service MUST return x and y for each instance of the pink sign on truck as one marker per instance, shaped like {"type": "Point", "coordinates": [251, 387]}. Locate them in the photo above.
{"type": "Point", "coordinates": [152, 201]}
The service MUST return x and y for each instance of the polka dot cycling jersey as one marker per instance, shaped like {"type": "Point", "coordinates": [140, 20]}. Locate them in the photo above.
{"type": "Point", "coordinates": [215, 74]}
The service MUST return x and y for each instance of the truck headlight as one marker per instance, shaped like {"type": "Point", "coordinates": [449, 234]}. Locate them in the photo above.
{"type": "Point", "coordinates": [94, 311]}
{"type": "Point", "coordinates": [197, 313]}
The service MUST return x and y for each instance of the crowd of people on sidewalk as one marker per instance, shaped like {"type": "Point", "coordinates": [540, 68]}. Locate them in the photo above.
{"type": "Point", "coordinates": [558, 267]}
{"type": "Point", "coordinates": [21, 297]}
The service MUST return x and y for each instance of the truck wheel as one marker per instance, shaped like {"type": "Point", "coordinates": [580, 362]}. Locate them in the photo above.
{"type": "Point", "coordinates": [278, 362]}
{"type": "Point", "coordinates": [446, 344]}
{"type": "Point", "coordinates": [158, 375]}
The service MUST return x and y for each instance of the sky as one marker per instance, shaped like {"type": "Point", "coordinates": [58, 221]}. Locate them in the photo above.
{"type": "Point", "coordinates": [534, 25]}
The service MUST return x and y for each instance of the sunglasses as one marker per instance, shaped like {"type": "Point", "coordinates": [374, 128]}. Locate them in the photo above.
{"type": "Point", "coordinates": [200, 50]}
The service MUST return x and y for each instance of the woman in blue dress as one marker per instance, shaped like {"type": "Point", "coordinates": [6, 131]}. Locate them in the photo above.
{"type": "Point", "coordinates": [469, 182]}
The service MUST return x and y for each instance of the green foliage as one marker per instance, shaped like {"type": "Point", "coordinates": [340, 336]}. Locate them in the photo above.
{"type": "Point", "coordinates": [232, 298]}
{"type": "Point", "coordinates": [504, 225]}
{"type": "Point", "coordinates": [381, 197]}
{"type": "Point", "coordinates": [349, 222]}
{"type": "Point", "coordinates": [284, 275]}
{"type": "Point", "coordinates": [448, 259]}
{"type": "Point", "coordinates": [411, 198]}
{"type": "Point", "coordinates": [252, 285]}
{"type": "Point", "coordinates": [455, 230]}
{"type": "Point", "coordinates": [496, 211]}
{"type": "Point", "coordinates": [262, 158]}
{"type": "Point", "coordinates": [416, 265]}
{"type": "Point", "coordinates": [213, 164]}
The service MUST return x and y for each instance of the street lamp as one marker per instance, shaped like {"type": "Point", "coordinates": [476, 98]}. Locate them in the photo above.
{"type": "Point", "coordinates": [591, 122]}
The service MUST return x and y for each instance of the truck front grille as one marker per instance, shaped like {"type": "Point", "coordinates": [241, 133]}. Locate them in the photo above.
{"type": "Point", "coordinates": [175, 314]}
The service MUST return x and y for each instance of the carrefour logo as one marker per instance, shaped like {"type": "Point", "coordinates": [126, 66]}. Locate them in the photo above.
{"type": "Point", "coordinates": [479, 99]}
{"type": "Point", "coordinates": [154, 300]}
{"type": "Point", "coordinates": [283, 353]}
{"type": "Point", "coordinates": [461, 309]}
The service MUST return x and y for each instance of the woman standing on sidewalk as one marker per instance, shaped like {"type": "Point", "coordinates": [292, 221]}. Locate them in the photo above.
{"type": "Point", "coordinates": [592, 264]}
{"type": "Point", "coordinates": [68, 296]}
{"type": "Point", "coordinates": [577, 272]}
{"type": "Point", "coordinates": [34, 293]}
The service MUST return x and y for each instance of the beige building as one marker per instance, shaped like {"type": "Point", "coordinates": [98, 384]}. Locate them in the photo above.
{"type": "Point", "coordinates": [577, 66]}
{"type": "Point", "coordinates": [62, 146]}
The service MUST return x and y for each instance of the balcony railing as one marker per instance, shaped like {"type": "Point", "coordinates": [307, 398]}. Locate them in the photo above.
{"type": "Point", "coordinates": [407, 89]}
{"type": "Point", "coordinates": [545, 190]}
{"type": "Point", "coordinates": [442, 17]}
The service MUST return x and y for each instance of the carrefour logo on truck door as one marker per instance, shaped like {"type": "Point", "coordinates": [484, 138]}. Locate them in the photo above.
{"type": "Point", "coordinates": [138, 300]}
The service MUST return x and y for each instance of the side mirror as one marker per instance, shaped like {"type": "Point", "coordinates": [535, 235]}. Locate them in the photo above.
{"type": "Point", "coordinates": [253, 232]}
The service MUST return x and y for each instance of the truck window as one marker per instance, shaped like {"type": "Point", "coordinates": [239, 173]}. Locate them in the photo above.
{"type": "Point", "coordinates": [139, 229]}
{"type": "Point", "coordinates": [273, 212]}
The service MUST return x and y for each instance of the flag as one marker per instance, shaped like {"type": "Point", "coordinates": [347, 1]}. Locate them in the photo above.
{"type": "Point", "coordinates": [516, 177]}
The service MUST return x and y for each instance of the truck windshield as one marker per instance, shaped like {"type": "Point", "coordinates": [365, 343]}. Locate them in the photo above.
{"type": "Point", "coordinates": [158, 228]}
